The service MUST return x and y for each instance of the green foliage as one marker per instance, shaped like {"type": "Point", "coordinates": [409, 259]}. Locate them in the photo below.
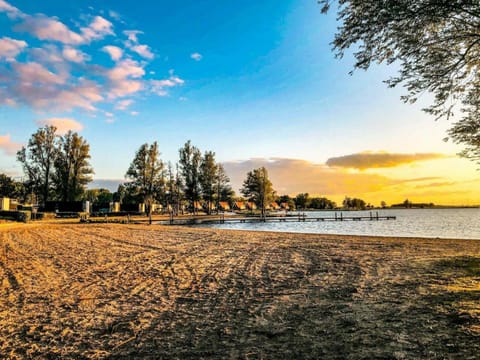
{"type": "Point", "coordinates": [72, 169]}
{"type": "Point", "coordinates": [354, 204]}
{"type": "Point", "coordinates": [98, 196]}
{"type": "Point", "coordinates": [436, 45]}
{"type": "Point", "coordinates": [302, 201]}
{"type": "Point", "coordinates": [37, 160]}
{"type": "Point", "coordinates": [224, 190]}
{"type": "Point", "coordinates": [56, 166]}
{"type": "Point", "coordinates": [257, 187]}
{"type": "Point", "coordinates": [322, 203]}
{"type": "Point", "coordinates": [146, 173]}
{"type": "Point", "coordinates": [11, 188]}
{"type": "Point", "coordinates": [207, 177]}
{"type": "Point", "coordinates": [190, 159]}
{"type": "Point", "coordinates": [288, 200]}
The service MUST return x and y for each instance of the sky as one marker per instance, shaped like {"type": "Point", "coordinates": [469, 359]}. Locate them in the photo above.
{"type": "Point", "coordinates": [254, 81]}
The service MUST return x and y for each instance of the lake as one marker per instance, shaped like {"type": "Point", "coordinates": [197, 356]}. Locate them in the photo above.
{"type": "Point", "coordinates": [431, 223]}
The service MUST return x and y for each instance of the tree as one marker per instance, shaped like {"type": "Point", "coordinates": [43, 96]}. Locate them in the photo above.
{"type": "Point", "coordinates": [286, 199]}
{"type": "Point", "coordinates": [435, 43]}
{"type": "Point", "coordinates": [7, 186]}
{"type": "Point", "coordinates": [224, 190]}
{"type": "Point", "coordinates": [189, 161]}
{"type": "Point", "coordinates": [208, 175]}
{"type": "Point", "coordinates": [302, 201]}
{"type": "Point", "coordinates": [354, 203]}
{"type": "Point", "coordinates": [146, 173]}
{"type": "Point", "coordinates": [257, 187]}
{"type": "Point", "coordinates": [72, 169]}
{"type": "Point", "coordinates": [37, 160]}
{"type": "Point", "coordinates": [98, 196]}
{"type": "Point", "coordinates": [322, 203]}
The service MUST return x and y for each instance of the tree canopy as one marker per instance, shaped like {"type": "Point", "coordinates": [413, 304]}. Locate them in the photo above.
{"type": "Point", "coordinates": [258, 188]}
{"type": "Point", "coordinates": [56, 166]}
{"type": "Point", "coordinates": [146, 172]}
{"type": "Point", "coordinates": [436, 43]}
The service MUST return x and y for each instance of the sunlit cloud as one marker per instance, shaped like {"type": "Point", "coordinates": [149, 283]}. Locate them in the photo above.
{"type": "Point", "coordinates": [436, 184]}
{"type": "Point", "coordinates": [11, 11]}
{"type": "Point", "coordinates": [114, 51]}
{"type": "Point", "coordinates": [160, 87]}
{"type": "Point", "coordinates": [10, 48]}
{"type": "Point", "coordinates": [132, 35]}
{"type": "Point", "coordinates": [196, 56]}
{"type": "Point", "coordinates": [133, 44]}
{"type": "Point", "coordinates": [123, 104]}
{"type": "Point", "coordinates": [63, 125]}
{"type": "Point", "coordinates": [98, 29]}
{"type": "Point", "coordinates": [315, 178]}
{"type": "Point", "coordinates": [61, 71]}
{"type": "Point", "coordinates": [369, 160]}
{"type": "Point", "coordinates": [294, 176]}
{"type": "Point", "coordinates": [74, 55]}
{"type": "Point", "coordinates": [30, 73]}
{"type": "Point", "coordinates": [125, 69]}
{"type": "Point", "coordinates": [46, 28]}
{"type": "Point", "coordinates": [143, 51]}
{"type": "Point", "coordinates": [7, 145]}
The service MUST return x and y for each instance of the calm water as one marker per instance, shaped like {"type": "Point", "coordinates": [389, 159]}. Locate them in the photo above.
{"type": "Point", "coordinates": [433, 223]}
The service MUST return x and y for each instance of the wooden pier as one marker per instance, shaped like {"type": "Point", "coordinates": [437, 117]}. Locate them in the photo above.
{"type": "Point", "coordinates": [257, 219]}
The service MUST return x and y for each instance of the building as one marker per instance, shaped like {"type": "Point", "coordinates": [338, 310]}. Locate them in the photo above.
{"type": "Point", "coordinates": [224, 206]}
{"type": "Point", "coordinates": [239, 205]}
{"type": "Point", "coordinates": [5, 204]}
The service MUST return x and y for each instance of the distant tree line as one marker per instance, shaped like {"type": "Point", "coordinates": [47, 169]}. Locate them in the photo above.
{"type": "Point", "coordinates": [56, 168]}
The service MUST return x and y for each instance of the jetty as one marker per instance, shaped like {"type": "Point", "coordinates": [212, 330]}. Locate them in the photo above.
{"type": "Point", "coordinates": [221, 219]}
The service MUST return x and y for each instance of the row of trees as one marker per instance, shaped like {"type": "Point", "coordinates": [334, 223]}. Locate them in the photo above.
{"type": "Point", "coordinates": [55, 166]}
{"type": "Point", "coordinates": [196, 177]}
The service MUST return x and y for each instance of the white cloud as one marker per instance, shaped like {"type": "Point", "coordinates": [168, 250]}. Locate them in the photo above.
{"type": "Point", "coordinates": [160, 87]}
{"type": "Point", "coordinates": [74, 55]}
{"type": "Point", "coordinates": [132, 35]}
{"type": "Point", "coordinates": [36, 73]}
{"type": "Point", "coordinates": [125, 69]}
{"type": "Point", "coordinates": [123, 104]}
{"type": "Point", "coordinates": [12, 11]}
{"type": "Point", "coordinates": [143, 51]}
{"type": "Point", "coordinates": [196, 56]}
{"type": "Point", "coordinates": [46, 28]}
{"type": "Point", "coordinates": [134, 113]}
{"type": "Point", "coordinates": [63, 125]}
{"type": "Point", "coordinates": [114, 51]}
{"type": "Point", "coordinates": [98, 29]}
{"type": "Point", "coordinates": [49, 28]}
{"type": "Point", "coordinates": [10, 48]}
{"type": "Point", "coordinates": [8, 146]}
{"type": "Point", "coordinates": [49, 79]}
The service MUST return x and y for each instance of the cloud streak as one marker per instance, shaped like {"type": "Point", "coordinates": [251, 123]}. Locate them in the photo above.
{"type": "Point", "coordinates": [10, 48]}
{"type": "Point", "coordinates": [373, 160]}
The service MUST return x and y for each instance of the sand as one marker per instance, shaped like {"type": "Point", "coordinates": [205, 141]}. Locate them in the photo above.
{"type": "Point", "coordinates": [88, 291]}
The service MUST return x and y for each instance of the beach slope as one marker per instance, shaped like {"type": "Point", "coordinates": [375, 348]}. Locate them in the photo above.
{"type": "Point", "coordinates": [123, 291]}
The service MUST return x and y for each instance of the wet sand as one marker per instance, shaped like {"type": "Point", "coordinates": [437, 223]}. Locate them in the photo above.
{"type": "Point", "coordinates": [136, 291]}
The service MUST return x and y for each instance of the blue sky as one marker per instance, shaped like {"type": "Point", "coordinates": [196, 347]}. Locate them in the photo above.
{"type": "Point", "coordinates": [256, 82]}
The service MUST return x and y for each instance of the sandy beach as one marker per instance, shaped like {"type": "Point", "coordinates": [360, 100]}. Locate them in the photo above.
{"type": "Point", "coordinates": [95, 291]}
